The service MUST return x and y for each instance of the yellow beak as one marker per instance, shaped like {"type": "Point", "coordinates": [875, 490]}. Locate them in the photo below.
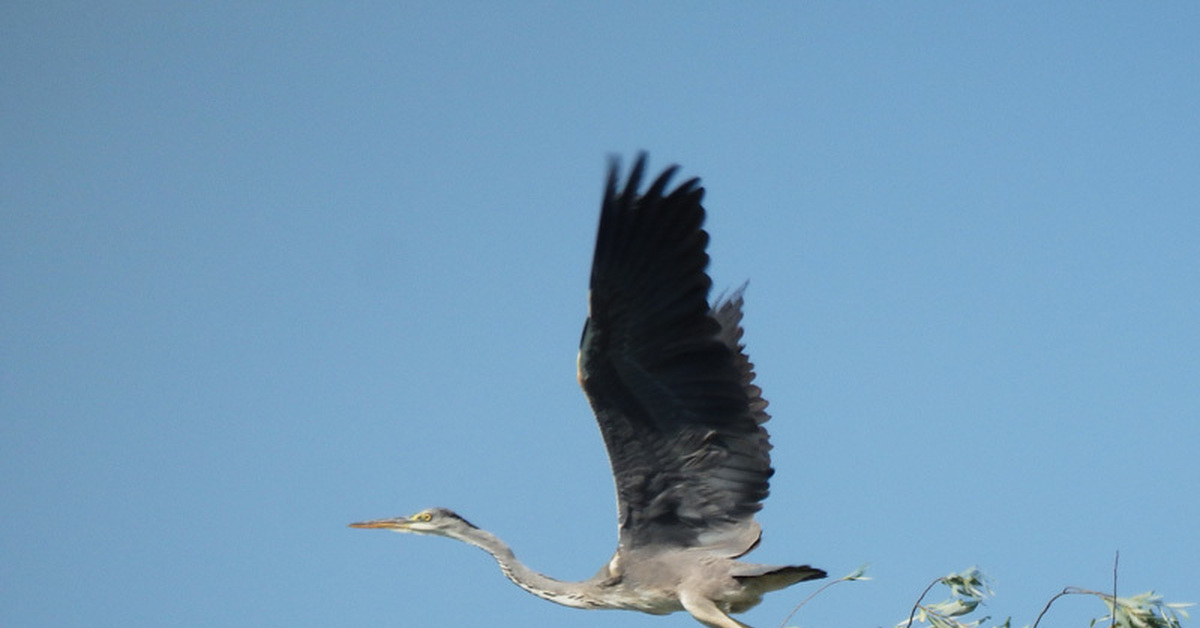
{"type": "Point", "coordinates": [383, 524]}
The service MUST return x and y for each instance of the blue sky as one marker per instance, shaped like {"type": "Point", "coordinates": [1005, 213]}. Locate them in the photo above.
{"type": "Point", "coordinates": [270, 270]}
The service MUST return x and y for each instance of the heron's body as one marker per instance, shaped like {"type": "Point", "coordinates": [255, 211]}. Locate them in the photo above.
{"type": "Point", "coordinates": [672, 390]}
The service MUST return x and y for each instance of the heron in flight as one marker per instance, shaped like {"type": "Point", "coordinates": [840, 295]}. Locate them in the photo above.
{"type": "Point", "coordinates": [671, 386]}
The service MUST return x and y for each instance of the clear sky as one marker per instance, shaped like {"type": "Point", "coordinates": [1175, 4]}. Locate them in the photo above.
{"type": "Point", "coordinates": [270, 270]}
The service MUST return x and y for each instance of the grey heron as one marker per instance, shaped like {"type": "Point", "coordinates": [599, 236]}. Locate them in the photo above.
{"type": "Point", "coordinates": [672, 390]}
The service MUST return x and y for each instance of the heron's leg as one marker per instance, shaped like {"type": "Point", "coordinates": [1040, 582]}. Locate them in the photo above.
{"type": "Point", "coordinates": [706, 612]}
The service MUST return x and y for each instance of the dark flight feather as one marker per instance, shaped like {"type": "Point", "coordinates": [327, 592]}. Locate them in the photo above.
{"type": "Point", "coordinates": [667, 376]}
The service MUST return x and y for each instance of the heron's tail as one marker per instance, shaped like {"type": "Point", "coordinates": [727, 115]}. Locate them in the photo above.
{"type": "Point", "coordinates": [766, 578]}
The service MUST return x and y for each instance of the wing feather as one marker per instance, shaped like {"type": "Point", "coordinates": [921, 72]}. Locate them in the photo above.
{"type": "Point", "coordinates": [667, 375]}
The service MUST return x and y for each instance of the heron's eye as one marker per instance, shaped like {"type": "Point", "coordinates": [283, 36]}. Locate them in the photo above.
{"type": "Point", "coordinates": [424, 516]}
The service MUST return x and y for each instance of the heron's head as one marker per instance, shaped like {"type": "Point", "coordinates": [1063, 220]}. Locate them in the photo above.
{"type": "Point", "coordinates": [437, 521]}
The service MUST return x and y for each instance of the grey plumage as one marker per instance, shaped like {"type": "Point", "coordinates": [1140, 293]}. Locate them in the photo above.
{"type": "Point", "coordinates": [672, 389]}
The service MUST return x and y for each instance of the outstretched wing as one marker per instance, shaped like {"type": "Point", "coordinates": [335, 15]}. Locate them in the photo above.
{"type": "Point", "coordinates": [667, 377]}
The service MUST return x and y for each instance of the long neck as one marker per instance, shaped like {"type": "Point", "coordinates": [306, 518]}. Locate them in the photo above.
{"type": "Point", "coordinates": [574, 594]}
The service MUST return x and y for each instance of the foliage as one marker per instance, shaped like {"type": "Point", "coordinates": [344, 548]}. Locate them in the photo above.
{"type": "Point", "coordinates": [1144, 610]}
{"type": "Point", "coordinates": [969, 589]}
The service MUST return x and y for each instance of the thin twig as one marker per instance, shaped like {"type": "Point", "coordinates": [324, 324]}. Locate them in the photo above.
{"type": "Point", "coordinates": [1075, 591]}
{"type": "Point", "coordinates": [1116, 561]}
{"type": "Point", "coordinates": [806, 600]}
{"type": "Point", "coordinates": [918, 604]}
{"type": "Point", "coordinates": [1066, 591]}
